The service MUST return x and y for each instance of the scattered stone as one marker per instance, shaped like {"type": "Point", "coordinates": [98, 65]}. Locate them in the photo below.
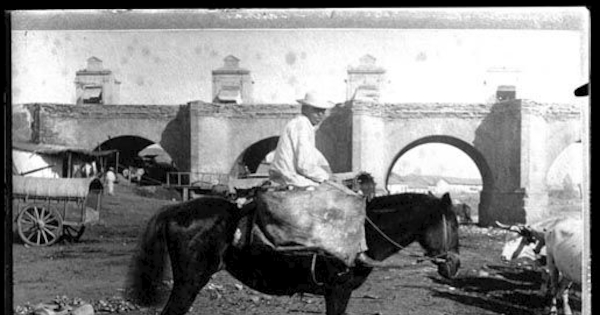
{"type": "Point", "coordinates": [85, 309]}
{"type": "Point", "coordinates": [213, 286]}
{"type": "Point", "coordinates": [46, 306]}
{"type": "Point", "coordinates": [483, 273]}
{"type": "Point", "coordinates": [43, 311]}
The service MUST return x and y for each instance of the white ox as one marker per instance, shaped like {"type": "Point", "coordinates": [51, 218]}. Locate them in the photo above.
{"type": "Point", "coordinates": [562, 238]}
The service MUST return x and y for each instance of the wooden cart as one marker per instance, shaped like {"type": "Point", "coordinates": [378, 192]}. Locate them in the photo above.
{"type": "Point", "coordinates": [48, 209]}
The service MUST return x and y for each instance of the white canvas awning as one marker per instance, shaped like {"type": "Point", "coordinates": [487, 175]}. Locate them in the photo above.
{"type": "Point", "coordinates": [54, 187]}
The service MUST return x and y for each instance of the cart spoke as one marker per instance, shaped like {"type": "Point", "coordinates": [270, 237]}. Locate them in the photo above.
{"type": "Point", "coordinates": [36, 213]}
{"type": "Point", "coordinates": [38, 237]}
{"type": "Point", "coordinates": [28, 220]}
{"type": "Point", "coordinates": [42, 213]}
{"type": "Point", "coordinates": [54, 227]}
{"type": "Point", "coordinates": [29, 215]}
{"type": "Point", "coordinates": [50, 218]}
{"type": "Point", "coordinates": [29, 229]}
{"type": "Point", "coordinates": [43, 232]}
{"type": "Point", "coordinates": [49, 215]}
{"type": "Point", "coordinates": [50, 230]}
{"type": "Point", "coordinates": [29, 236]}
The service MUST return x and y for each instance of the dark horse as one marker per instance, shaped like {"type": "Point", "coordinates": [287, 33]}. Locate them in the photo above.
{"type": "Point", "coordinates": [197, 236]}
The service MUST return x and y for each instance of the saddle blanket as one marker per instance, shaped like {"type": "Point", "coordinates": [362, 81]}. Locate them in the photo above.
{"type": "Point", "coordinates": [329, 218]}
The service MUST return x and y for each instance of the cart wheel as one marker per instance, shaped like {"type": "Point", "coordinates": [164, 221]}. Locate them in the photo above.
{"type": "Point", "coordinates": [73, 233]}
{"type": "Point", "coordinates": [39, 225]}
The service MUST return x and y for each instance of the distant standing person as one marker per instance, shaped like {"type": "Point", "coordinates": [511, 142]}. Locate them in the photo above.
{"type": "Point", "coordinates": [139, 173]}
{"type": "Point", "coordinates": [87, 170]}
{"type": "Point", "coordinates": [110, 180]}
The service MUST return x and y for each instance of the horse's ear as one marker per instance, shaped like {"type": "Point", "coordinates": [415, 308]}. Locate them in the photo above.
{"type": "Point", "coordinates": [446, 199]}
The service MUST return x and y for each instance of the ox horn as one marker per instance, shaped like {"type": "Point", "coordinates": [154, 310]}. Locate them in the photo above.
{"type": "Point", "coordinates": [512, 228]}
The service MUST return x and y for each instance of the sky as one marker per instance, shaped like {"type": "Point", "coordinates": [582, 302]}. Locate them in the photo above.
{"type": "Point", "coordinates": [173, 66]}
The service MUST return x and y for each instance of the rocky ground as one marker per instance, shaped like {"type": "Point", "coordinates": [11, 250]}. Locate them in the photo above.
{"type": "Point", "coordinates": [66, 276]}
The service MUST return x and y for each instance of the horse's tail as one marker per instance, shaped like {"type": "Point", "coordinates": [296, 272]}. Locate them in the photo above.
{"type": "Point", "coordinates": [148, 265]}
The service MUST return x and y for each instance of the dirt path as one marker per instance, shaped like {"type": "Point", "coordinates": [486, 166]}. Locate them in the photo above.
{"type": "Point", "coordinates": [94, 271]}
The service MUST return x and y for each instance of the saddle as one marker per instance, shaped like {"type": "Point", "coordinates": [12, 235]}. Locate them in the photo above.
{"type": "Point", "coordinates": [328, 220]}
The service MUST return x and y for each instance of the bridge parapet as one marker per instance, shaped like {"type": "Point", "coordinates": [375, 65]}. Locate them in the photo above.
{"type": "Point", "coordinates": [162, 112]}
{"type": "Point", "coordinates": [552, 111]}
{"type": "Point", "coordinates": [421, 110]}
{"type": "Point", "coordinates": [555, 111]}
{"type": "Point", "coordinates": [244, 111]}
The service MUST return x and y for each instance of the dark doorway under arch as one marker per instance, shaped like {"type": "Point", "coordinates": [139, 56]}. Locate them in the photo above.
{"type": "Point", "coordinates": [129, 148]}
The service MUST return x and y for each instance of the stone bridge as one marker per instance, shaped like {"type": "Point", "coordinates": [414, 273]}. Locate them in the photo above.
{"type": "Point", "coordinates": [513, 143]}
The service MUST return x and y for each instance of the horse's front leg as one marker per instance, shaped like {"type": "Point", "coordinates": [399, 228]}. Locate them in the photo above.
{"type": "Point", "coordinates": [336, 300]}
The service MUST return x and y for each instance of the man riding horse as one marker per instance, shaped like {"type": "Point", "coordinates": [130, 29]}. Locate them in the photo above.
{"type": "Point", "coordinates": [298, 164]}
{"type": "Point", "coordinates": [199, 235]}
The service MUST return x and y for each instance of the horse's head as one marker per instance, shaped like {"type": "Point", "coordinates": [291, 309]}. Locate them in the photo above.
{"type": "Point", "coordinates": [440, 238]}
{"type": "Point", "coordinates": [400, 219]}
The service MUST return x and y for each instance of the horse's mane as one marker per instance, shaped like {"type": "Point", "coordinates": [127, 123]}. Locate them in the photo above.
{"type": "Point", "coordinates": [410, 205]}
{"type": "Point", "coordinates": [395, 200]}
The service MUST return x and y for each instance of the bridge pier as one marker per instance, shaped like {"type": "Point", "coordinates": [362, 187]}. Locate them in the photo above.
{"type": "Point", "coordinates": [521, 206]}
{"type": "Point", "coordinates": [536, 205]}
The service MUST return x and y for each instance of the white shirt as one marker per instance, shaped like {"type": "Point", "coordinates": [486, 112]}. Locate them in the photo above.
{"type": "Point", "coordinates": [110, 176]}
{"type": "Point", "coordinates": [297, 161]}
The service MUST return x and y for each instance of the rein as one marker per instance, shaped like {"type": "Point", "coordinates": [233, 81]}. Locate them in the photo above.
{"type": "Point", "coordinates": [387, 238]}
{"type": "Point", "coordinates": [400, 247]}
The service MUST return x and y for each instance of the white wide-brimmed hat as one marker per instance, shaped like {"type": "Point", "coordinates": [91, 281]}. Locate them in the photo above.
{"type": "Point", "coordinates": [314, 100]}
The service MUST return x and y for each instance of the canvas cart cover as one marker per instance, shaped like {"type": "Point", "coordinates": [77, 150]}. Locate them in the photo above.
{"type": "Point", "coordinates": [55, 187]}
{"type": "Point", "coordinates": [330, 218]}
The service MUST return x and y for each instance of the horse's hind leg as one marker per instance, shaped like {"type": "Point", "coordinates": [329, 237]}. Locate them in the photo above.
{"type": "Point", "coordinates": [188, 279]}
{"type": "Point", "coordinates": [192, 268]}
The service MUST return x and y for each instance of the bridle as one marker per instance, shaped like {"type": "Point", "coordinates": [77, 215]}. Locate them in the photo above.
{"type": "Point", "coordinates": [435, 259]}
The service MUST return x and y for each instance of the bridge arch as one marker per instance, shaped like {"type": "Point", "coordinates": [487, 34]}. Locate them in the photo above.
{"type": "Point", "coordinates": [249, 161]}
{"type": "Point", "coordinates": [566, 169]}
{"type": "Point", "coordinates": [485, 171]}
{"type": "Point", "coordinates": [129, 147]}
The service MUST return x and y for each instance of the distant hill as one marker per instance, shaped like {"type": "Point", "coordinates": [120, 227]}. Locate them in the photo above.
{"type": "Point", "coordinates": [430, 180]}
